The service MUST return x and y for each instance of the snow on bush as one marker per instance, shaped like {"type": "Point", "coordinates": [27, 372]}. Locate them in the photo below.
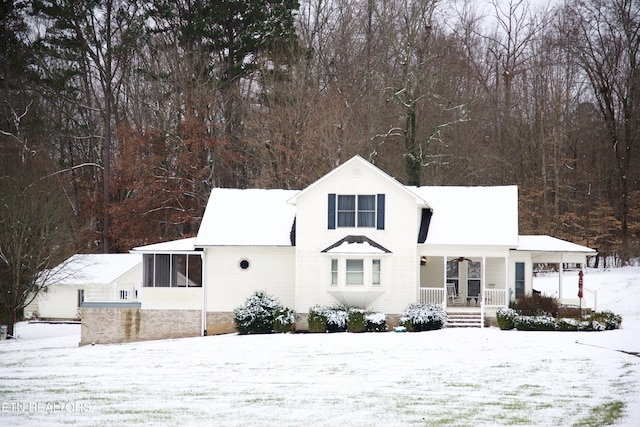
{"type": "Point", "coordinates": [258, 314]}
{"type": "Point", "coordinates": [340, 318]}
{"type": "Point", "coordinates": [423, 317]}
{"type": "Point", "coordinates": [376, 322]}
{"type": "Point", "coordinates": [505, 317]}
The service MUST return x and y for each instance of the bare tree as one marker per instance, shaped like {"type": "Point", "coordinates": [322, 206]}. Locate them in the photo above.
{"type": "Point", "coordinates": [604, 37]}
{"type": "Point", "coordinates": [35, 231]}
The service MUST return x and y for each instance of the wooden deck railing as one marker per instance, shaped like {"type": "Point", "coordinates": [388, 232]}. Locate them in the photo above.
{"type": "Point", "coordinates": [109, 293]}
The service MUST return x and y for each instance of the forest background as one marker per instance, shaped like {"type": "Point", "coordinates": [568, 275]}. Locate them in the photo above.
{"type": "Point", "coordinates": [117, 117]}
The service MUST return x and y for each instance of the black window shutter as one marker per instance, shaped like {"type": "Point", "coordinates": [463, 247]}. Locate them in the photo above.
{"type": "Point", "coordinates": [332, 212]}
{"type": "Point", "coordinates": [380, 212]}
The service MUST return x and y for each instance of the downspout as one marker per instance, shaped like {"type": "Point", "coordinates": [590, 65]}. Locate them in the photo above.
{"type": "Point", "coordinates": [507, 285]}
{"type": "Point", "coordinates": [203, 326]}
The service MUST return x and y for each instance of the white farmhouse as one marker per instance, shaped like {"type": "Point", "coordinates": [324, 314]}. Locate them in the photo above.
{"type": "Point", "coordinates": [356, 236]}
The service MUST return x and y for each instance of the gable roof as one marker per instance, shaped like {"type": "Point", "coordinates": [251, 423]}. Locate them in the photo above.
{"type": "Point", "coordinates": [357, 160]}
{"type": "Point", "coordinates": [472, 215]}
{"type": "Point", "coordinates": [82, 269]}
{"type": "Point", "coordinates": [550, 244]}
{"type": "Point", "coordinates": [257, 218]}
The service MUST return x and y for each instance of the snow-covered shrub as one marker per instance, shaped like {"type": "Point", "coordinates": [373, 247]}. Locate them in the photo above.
{"type": "Point", "coordinates": [535, 323]}
{"type": "Point", "coordinates": [505, 317]}
{"type": "Point", "coordinates": [284, 320]}
{"type": "Point", "coordinates": [376, 322]}
{"type": "Point", "coordinates": [317, 319]}
{"type": "Point", "coordinates": [423, 317]}
{"type": "Point", "coordinates": [257, 314]}
{"type": "Point", "coordinates": [356, 320]}
{"type": "Point", "coordinates": [337, 317]}
{"type": "Point", "coordinates": [607, 319]}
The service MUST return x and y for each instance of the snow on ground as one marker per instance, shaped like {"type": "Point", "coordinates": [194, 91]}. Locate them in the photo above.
{"type": "Point", "coordinates": [461, 377]}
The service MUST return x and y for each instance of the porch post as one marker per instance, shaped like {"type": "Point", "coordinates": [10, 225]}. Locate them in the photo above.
{"type": "Point", "coordinates": [561, 271]}
{"type": "Point", "coordinates": [444, 282]}
{"type": "Point", "coordinates": [506, 281]}
{"type": "Point", "coordinates": [482, 286]}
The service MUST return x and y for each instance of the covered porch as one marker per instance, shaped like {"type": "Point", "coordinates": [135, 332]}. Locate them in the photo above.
{"type": "Point", "coordinates": [459, 282]}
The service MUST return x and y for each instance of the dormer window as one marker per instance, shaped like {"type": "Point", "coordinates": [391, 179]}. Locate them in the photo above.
{"type": "Point", "coordinates": [350, 210]}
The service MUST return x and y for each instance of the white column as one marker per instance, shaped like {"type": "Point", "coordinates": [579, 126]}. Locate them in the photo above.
{"type": "Point", "coordinates": [203, 327]}
{"type": "Point", "coordinates": [506, 280]}
{"type": "Point", "coordinates": [482, 278]}
{"type": "Point", "coordinates": [444, 280]}
{"type": "Point", "coordinates": [561, 271]}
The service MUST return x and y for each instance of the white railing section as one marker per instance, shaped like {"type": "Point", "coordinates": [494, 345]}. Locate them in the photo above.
{"type": "Point", "coordinates": [432, 295]}
{"type": "Point", "coordinates": [495, 298]}
{"type": "Point", "coordinates": [109, 293]}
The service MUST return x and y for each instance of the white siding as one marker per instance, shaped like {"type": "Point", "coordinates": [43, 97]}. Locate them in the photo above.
{"type": "Point", "coordinates": [171, 298]}
{"type": "Point", "coordinates": [228, 286]}
{"type": "Point", "coordinates": [399, 269]}
{"type": "Point", "coordinates": [58, 302]}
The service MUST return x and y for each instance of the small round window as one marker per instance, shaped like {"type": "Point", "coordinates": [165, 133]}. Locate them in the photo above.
{"type": "Point", "coordinates": [244, 264]}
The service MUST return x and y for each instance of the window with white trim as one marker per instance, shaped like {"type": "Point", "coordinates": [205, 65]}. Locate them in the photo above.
{"type": "Point", "coordinates": [355, 272]}
{"type": "Point", "coordinates": [334, 271]}
{"type": "Point", "coordinates": [375, 272]}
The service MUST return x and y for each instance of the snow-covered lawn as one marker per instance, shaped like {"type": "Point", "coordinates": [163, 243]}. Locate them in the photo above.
{"type": "Point", "coordinates": [449, 377]}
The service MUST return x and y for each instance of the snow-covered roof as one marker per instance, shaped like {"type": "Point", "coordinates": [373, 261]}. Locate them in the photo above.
{"type": "Point", "coordinates": [472, 215]}
{"type": "Point", "coordinates": [550, 244]}
{"type": "Point", "coordinates": [82, 269]}
{"type": "Point", "coordinates": [254, 217]}
{"type": "Point", "coordinates": [181, 245]}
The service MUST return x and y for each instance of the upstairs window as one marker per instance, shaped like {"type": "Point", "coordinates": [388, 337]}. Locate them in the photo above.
{"type": "Point", "coordinates": [349, 210]}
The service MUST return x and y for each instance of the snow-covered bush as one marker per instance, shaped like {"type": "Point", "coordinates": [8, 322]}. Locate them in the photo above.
{"type": "Point", "coordinates": [376, 322]}
{"type": "Point", "coordinates": [258, 314]}
{"type": "Point", "coordinates": [505, 317]}
{"type": "Point", "coordinates": [356, 320]}
{"type": "Point", "coordinates": [423, 317]}
{"type": "Point", "coordinates": [607, 319]}
{"type": "Point", "coordinates": [317, 319]}
{"type": "Point", "coordinates": [284, 320]}
{"type": "Point", "coordinates": [340, 318]}
{"type": "Point", "coordinates": [535, 323]}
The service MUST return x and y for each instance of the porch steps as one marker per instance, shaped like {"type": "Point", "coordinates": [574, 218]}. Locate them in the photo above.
{"type": "Point", "coordinates": [464, 320]}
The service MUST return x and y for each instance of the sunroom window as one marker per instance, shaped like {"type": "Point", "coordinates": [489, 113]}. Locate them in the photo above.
{"type": "Point", "coordinates": [172, 270]}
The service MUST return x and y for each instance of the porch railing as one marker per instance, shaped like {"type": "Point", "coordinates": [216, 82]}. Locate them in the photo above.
{"type": "Point", "coordinates": [495, 298]}
{"type": "Point", "coordinates": [431, 295]}
{"type": "Point", "coordinates": [109, 293]}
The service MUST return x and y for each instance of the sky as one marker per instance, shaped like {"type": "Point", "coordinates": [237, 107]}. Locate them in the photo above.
{"type": "Point", "coordinates": [474, 377]}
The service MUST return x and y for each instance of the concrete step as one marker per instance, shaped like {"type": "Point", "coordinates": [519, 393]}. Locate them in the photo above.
{"type": "Point", "coordinates": [464, 320]}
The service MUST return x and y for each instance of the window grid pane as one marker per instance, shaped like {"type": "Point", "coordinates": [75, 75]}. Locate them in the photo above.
{"type": "Point", "coordinates": [163, 270]}
{"type": "Point", "coordinates": [367, 211]}
{"type": "Point", "coordinates": [195, 271]}
{"type": "Point", "coordinates": [375, 272]}
{"type": "Point", "coordinates": [355, 272]}
{"type": "Point", "coordinates": [334, 271]}
{"type": "Point", "coordinates": [346, 211]}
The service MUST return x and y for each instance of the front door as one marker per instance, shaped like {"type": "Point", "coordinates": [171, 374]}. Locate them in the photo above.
{"type": "Point", "coordinates": [474, 275]}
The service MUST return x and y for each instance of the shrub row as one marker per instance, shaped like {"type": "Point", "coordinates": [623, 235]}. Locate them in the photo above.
{"type": "Point", "coordinates": [340, 318]}
{"type": "Point", "coordinates": [509, 319]}
{"type": "Point", "coordinates": [262, 314]}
